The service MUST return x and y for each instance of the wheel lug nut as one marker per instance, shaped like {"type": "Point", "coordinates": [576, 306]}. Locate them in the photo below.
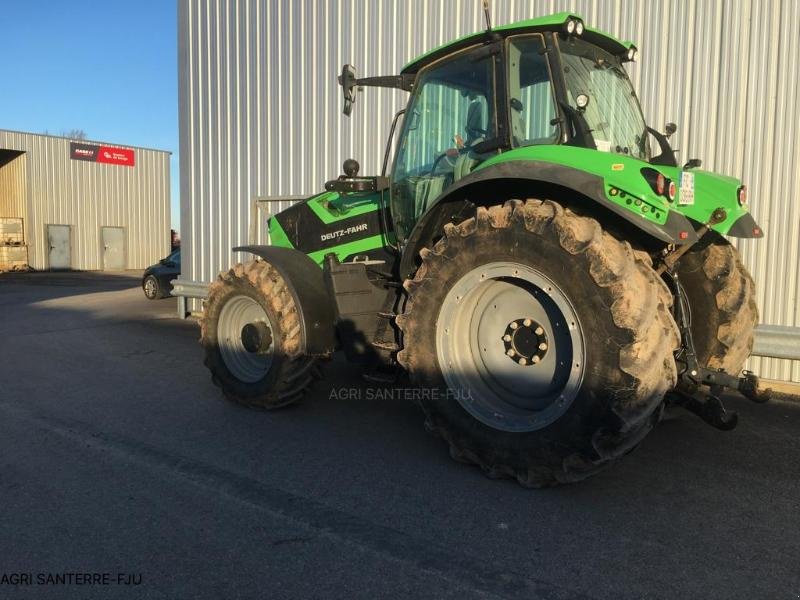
{"type": "Point", "coordinates": [510, 352]}
{"type": "Point", "coordinates": [527, 322]}
{"type": "Point", "coordinates": [506, 338]}
{"type": "Point", "coordinates": [523, 361]}
{"type": "Point", "coordinates": [535, 360]}
{"type": "Point", "coordinates": [542, 346]}
{"type": "Point", "coordinates": [514, 325]}
{"type": "Point", "coordinates": [538, 331]}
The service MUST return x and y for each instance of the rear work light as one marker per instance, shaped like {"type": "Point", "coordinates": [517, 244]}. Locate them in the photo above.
{"type": "Point", "coordinates": [573, 26]}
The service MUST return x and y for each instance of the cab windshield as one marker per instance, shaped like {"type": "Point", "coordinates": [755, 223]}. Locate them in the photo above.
{"type": "Point", "coordinates": [613, 113]}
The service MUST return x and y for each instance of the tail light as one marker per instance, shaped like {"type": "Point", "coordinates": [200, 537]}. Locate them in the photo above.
{"type": "Point", "coordinates": [741, 195]}
{"type": "Point", "coordinates": [661, 184]}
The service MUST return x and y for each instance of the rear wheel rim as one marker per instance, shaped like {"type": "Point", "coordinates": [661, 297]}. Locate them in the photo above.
{"type": "Point", "coordinates": [238, 319]}
{"type": "Point", "coordinates": [510, 347]}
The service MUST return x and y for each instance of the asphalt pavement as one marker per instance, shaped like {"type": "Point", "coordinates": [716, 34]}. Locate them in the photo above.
{"type": "Point", "coordinates": [120, 462]}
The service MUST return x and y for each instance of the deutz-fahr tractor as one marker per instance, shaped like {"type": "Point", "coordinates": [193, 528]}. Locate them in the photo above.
{"type": "Point", "coordinates": [536, 263]}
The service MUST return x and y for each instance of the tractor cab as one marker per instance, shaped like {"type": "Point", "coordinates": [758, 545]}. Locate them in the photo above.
{"type": "Point", "coordinates": [538, 82]}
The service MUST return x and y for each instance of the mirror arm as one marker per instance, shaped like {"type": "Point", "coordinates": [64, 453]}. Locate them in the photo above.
{"type": "Point", "coordinates": [667, 156]}
{"type": "Point", "coordinates": [400, 82]}
{"type": "Point", "coordinates": [583, 133]}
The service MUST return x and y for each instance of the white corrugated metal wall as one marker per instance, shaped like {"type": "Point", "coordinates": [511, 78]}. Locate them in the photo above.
{"type": "Point", "coordinates": [88, 196]}
{"type": "Point", "coordinates": [13, 176]}
{"type": "Point", "coordinates": [261, 112]}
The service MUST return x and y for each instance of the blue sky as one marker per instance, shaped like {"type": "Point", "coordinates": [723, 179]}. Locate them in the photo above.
{"type": "Point", "coordinates": [106, 67]}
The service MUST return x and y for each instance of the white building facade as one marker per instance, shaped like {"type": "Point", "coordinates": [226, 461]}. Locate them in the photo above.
{"type": "Point", "coordinates": [260, 111]}
{"type": "Point", "coordinates": [76, 204]}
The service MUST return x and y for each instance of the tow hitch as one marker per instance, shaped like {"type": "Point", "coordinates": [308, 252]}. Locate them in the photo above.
{"type": "Point", "coordinates": [691, 375]}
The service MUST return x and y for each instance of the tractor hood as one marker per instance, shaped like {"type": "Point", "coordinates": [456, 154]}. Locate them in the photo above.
{"type": "Point", "coordinates": [630, 183]}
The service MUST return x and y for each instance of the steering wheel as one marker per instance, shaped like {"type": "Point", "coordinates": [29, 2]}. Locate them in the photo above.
{"type": "Point", "coordinates": [450, 158]}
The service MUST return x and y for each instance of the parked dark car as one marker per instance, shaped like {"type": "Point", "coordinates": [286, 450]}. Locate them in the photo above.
{"type": "Point", "coordinates": [156, 280]}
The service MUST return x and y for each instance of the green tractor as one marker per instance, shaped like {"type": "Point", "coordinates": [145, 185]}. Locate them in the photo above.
{"type": "Point", "coordinates": [536, 261]}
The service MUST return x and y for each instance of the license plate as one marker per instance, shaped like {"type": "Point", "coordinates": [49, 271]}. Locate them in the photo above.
{"type": "Point", "coordinates": [686, 195]}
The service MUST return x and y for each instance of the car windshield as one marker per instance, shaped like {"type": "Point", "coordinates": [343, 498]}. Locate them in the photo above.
{"type": "Point", "coordinates": [613, 113]}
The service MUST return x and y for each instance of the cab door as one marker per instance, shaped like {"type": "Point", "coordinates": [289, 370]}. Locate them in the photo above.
{"type": "Point", "coordinates": [451, 113]}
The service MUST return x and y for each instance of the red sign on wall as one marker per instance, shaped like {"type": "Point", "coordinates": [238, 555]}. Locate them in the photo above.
{"type": "Point", "coordinates": [116, 156]}
{"type": "Point", "coordinates": [103, 154]}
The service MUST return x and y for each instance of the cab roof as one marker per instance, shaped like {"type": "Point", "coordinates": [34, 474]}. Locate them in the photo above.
{"type": "Point", "coordinates": [546, 23]}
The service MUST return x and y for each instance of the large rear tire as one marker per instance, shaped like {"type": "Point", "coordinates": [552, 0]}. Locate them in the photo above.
{"type": "Point", "coordinates": [251, 334]}
{"type": "Point", "coordinates": [591, 313]}
{"type": "Point", "coordinates": [721, 296]}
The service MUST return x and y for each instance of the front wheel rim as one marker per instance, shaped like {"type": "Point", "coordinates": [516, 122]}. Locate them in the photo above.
{"type": "Point", "coordinates": [150, 287]}
{"type": "Point", "coordinates": [240, 319]}
{"type": "Point", "coordinates": [510, 347]}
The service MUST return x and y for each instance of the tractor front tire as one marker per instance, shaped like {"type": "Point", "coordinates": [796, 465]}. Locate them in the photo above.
{"type": "Point", "coordinates": [251, 334]}
{"type": "Point", "coordinates": [721, 295]}
{"type": "Point", "coordinates": [542, 344]}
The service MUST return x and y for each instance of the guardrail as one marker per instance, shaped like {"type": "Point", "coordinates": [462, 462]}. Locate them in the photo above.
{"type": "Point", "coordinates": [183, 289]}
{"type": "Point", "coordinates": [777, 341]}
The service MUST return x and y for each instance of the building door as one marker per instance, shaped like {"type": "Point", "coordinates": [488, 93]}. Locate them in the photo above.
{"type": "Point", "coordinates": [58, 238]}
{"type": "Point", "coordinates": [113, 249]}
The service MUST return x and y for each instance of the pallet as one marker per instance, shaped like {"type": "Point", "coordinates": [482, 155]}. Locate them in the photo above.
{"type": "Point", "coordinates": [11, 231]}
{"type": "Point", "coordinates": [14, 257]}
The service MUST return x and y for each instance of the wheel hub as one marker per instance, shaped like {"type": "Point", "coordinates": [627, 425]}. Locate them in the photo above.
{"type": "Point", "coordinates": [245, 338]}
{"type": "Point", "coordinates": [256, 337]}
{"type": "Point", "coordinates": [525, 341]}
{"type": "Point", "coordinates": [512, 376]}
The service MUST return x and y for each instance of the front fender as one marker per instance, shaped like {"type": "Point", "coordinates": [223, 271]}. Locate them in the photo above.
{"type": "Point", "coordinates": [305, 282]}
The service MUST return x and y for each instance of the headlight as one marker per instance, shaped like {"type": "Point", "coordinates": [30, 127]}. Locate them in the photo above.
{"type": "Point", "coordinates": [579, 28]}
{"type": "Point", "coordinates": [571, 26]}
{"type": "Point", "coordinates": [741, 195]}
{"type": "Point", "coordinates": [631, 53]}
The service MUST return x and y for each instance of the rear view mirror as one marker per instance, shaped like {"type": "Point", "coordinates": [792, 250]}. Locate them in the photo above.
{"type": "Point", "coordinates": [348, 82]}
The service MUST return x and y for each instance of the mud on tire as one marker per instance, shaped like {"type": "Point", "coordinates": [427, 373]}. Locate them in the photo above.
{"type": "Point", "coordinates": [630, 336]}
{"type": "Point", "coordinates": [290, 373]}
{"type": "Point", "coordinates": [721, 296]}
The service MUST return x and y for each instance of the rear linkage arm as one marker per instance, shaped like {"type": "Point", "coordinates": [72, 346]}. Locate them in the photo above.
{"type": "Point", "coordinates": [691, 375]}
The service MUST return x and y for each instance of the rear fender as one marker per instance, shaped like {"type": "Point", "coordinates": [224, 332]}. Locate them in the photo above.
{"type": "Point", "coordinates": [305, 282]}
{"type": "Point", "coordinates": [533, 173]}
